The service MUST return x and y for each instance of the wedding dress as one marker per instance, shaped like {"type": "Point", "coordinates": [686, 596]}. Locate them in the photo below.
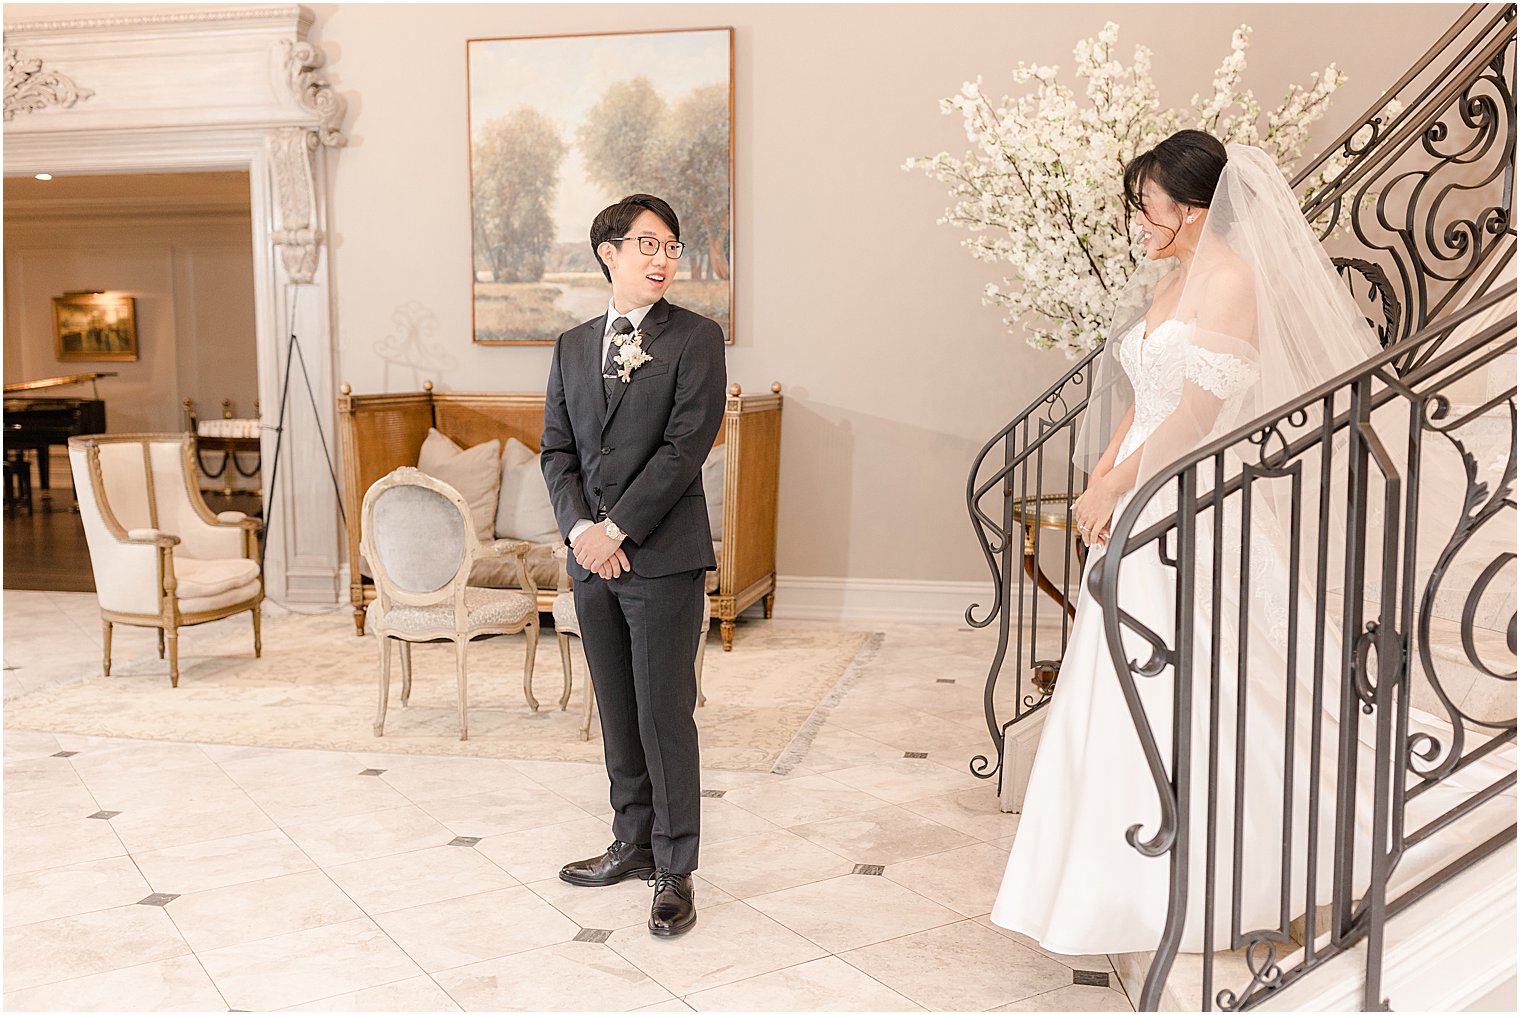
{"type": "Point", "coordinates": [1073, 881]}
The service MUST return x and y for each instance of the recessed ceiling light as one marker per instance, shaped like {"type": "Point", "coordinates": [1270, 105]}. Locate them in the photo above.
{"type": "Point", "coordinates": [44, 176]}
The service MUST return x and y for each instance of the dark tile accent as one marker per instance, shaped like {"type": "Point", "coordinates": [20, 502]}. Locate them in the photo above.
{"type": "Point", "coordinates": [373, 771]}
{"type": "Point", "coordinates": [103, 815]}
{"type": "Point", "coordinates": [716, 794]}
{"type": "Point", "coordinates": [595, 937]}
{"type": "Point", "coordinates": [464, 840]}
{"type": "Point", "coordinates": [915, 754]}
{"type": "Point", "coordinates": [944, 680]}
{"type": "Point", "coordinates": [871, 869]}
{"type": "Point", "coordinates": [157, 899]}
{"type": "Point", "coordinates": [64, 754]}
{"type": "Point", "coordinates": [1089, 978]}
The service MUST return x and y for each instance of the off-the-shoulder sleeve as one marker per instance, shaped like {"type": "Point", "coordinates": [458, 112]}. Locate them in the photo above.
{"type": "Point", "coordinates": [1221, 374]}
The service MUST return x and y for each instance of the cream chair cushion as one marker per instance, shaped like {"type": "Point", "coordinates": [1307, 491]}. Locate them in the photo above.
{"type": "Point", "coordinates": [475, 473]}
{"type": "Point", "coordinates": [200, 604]}
{"type": "Point", "coordinates": [486, 608]}
{"type": "Point", "coordinates": [712, 488]}
{"type": "Point", "coordinates": [199, 579]}
{"type": "Point", "coordinates": [524, 510]}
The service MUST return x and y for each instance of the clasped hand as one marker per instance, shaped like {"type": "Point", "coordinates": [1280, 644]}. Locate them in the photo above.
{"type": "Point", "coordinates": [1093, 512]}
{"type": "Point", "coordinates": [599, 553]}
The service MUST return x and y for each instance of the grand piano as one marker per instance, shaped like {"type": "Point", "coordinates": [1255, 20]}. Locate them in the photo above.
{"type": "Point", "coordinates": [36, 422]}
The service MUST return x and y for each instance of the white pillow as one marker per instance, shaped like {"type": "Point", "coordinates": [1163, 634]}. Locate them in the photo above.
{"type": "Point", "coordinates": [475, 473]}
{"type": "Point", "coordinates": [524, 510]}
{"type": "Point", "coordinates": [712, 488]}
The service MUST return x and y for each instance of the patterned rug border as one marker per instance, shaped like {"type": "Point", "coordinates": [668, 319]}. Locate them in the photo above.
{"type": "Point", "coordinates": [789, 757]}
{"type": "Point", "coordinates": [792, 755]}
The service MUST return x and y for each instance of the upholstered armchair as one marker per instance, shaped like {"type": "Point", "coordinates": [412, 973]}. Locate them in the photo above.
{"type": "Point", "coordinates": [161, 559]}
{"type": "Point", "coordinates": [418, 536]}
{"type": "Point", "coordinates": [567, 624]}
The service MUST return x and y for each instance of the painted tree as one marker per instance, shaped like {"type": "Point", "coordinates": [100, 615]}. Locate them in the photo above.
{"type": "Point", "coordinates": [515, 170]}
{"type": "Point", "coordinates": [632, 141]}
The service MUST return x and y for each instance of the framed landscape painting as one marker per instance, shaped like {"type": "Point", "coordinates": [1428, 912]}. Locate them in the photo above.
{"type": "Point", "coordinates": [561, 127]}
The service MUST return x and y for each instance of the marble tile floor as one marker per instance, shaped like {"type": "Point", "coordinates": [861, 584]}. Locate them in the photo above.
{"type": "Point", "coordinates": [149, 876]}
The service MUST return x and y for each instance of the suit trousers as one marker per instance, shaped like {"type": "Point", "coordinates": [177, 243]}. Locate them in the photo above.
{"type": "Point", "coordinates": [640, 636]}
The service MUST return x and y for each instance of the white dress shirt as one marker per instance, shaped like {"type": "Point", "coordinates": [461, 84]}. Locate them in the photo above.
{"type": "Point", "coordinates": [636, 316]}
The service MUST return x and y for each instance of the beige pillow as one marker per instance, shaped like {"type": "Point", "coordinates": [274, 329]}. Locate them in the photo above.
{"type": "Point", "coordinates": [524, 510]}
{"type": "Point", "coordinates": [712, 488]}
{"type": "Point", "coordinates": [475, 473]}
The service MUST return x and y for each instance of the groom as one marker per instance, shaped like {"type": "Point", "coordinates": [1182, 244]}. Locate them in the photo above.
{"type": "Point", "coordinates": [634, 403]}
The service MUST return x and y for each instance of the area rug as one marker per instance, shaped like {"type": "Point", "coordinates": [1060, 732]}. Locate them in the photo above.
{"type": "Point", "coordinates": [317, 687]}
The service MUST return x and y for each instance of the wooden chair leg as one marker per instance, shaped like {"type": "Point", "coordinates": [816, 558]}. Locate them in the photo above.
{"type": "Point", "coordinates": [105, 639]}
{"type": "Point", "coordinates": [532, 632]}
{"type": "Point", "coordinates": [564, 662]}
{"type": "Point", "coordinates": [359, 621]}
{"type": "Point", "coordinates": [385, 682]}
{"type": "Point", "coordinates": [770, 605]}
{"type": "Point", "coordinates": [258, 632]}
{"type": "Point", "coordinates": [406, 672]}
{"type": "Point", "coordinates": [728, 636]}
{"type": "Point", "coordinates": [701, 651]}
{"type": "Point", "coordinates": [461, 663]}
{"type": "Point", "coordinates": [160, 643]}
{"type": "Point", "coordinates": [173, 640]}
{"type": "Point", "coordinates": [564, 658]}
{"type": "Point", "coordinates": [590, 707]}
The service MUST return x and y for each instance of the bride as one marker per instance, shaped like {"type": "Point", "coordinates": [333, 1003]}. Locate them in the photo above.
{"type": "Point", "coordinates": [1237, 311]}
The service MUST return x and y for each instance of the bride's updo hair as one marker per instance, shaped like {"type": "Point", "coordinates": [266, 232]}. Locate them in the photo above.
{"type": "Point", "coordinates": [1186, 166]}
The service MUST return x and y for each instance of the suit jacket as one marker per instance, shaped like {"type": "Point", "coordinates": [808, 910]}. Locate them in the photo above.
{"type": "Point", "coordinates": [637, 457]}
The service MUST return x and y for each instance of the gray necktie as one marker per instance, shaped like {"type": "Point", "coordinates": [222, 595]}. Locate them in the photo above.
{"type": "Point", "coordinates": [621, 326]}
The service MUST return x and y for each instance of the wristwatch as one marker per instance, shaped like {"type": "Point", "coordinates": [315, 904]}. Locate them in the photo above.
{"type": "Point", "coordinates": [613, 532]}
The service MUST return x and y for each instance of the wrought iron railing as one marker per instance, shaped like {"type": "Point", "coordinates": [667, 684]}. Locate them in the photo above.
{"type": "Point", "coordinates": [1426, 204]}
{"type": "Point", "coordinates": [1421, 215]}
{"type": "Point", "coordinates": [1295, 457]}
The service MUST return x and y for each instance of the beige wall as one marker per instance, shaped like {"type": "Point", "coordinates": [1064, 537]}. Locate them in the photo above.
{"type": "Point", "coordinates": [180, 245]}
{"type": "Point", "coordinates": [847, 290]}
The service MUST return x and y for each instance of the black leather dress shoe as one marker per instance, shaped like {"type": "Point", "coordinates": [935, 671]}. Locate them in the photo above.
{"type": "Point", "coordinates": [623, 860]}
{"type": "Point", "coordinates": [675, 908]}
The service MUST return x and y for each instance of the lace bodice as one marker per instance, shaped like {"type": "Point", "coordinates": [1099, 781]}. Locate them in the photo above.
{"type": "Point", "coordinates": [1158, 365]}
{"type": "Point", "coordinates": [1157, 368]}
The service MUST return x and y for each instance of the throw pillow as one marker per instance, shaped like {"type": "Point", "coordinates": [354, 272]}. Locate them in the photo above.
{"type": "Point", "coordinates": [524, 510]}
{"type": "Point", "coordinates": [475, 473]}
{"type": "Point", "coordinates": [712, 488]}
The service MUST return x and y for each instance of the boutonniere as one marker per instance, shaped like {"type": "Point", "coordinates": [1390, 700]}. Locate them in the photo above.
{"type": "Point", "coordinates": [630, 355]}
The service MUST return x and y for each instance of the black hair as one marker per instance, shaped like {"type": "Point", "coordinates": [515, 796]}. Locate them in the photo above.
{"type": "Point", "coordinates": [615, 220]}
{"type": "Point", "coordinates": [1186, 166]}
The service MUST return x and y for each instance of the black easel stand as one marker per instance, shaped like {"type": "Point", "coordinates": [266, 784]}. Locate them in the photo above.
{"type": "Point", "coordinates": [293, 352]}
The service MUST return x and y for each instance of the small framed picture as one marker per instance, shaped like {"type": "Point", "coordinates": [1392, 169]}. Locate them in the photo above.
{"type": "Point", "coordinates": [95, 326]}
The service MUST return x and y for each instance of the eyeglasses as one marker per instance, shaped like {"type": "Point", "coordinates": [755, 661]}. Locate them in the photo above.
{"type": "Point", "coordinates": [650, 245]}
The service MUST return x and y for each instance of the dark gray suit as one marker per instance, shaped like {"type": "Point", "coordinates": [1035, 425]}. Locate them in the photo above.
{"type": "Point", "coordinates": [637, 458]}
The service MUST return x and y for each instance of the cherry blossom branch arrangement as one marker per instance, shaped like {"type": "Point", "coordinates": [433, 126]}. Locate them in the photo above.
{"type": "Point", "coordinates": [1040, 191]}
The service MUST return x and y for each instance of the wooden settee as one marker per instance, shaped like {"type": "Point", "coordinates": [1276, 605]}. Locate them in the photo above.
{"type": "Point", "coordinates": [379, 433]}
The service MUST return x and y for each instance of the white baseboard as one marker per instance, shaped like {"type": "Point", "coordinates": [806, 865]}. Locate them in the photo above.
{"type": "Point", "coordinates": [868, 600]}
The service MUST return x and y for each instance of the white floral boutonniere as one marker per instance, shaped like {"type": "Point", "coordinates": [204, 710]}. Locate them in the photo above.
{"type": "Point", "coordinates": [630, 354]}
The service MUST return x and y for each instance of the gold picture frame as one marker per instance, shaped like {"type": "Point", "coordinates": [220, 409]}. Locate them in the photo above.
{"type": "Point", "coordinates": [95, 326]}
{"type": "Point", "coordinates": [561, 126]}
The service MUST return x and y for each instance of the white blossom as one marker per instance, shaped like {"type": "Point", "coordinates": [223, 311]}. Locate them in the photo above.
{"type": "Point", "coordinates": [1040, 190]}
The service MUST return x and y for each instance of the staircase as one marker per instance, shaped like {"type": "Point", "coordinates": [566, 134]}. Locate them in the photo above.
{"type": "Point", "coordinates": [1420, 222]}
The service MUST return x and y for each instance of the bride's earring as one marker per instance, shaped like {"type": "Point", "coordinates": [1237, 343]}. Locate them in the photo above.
{"type": "Point", "coordinates": [1192, 216]}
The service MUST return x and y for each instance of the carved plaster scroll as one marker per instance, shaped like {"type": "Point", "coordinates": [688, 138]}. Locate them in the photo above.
{"type": "Point", "coordinates": [295, 198]}
{"type": "Point", "coordinates": [302, 60]}
{"type": "Point", "coordinates": [29, 88]}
